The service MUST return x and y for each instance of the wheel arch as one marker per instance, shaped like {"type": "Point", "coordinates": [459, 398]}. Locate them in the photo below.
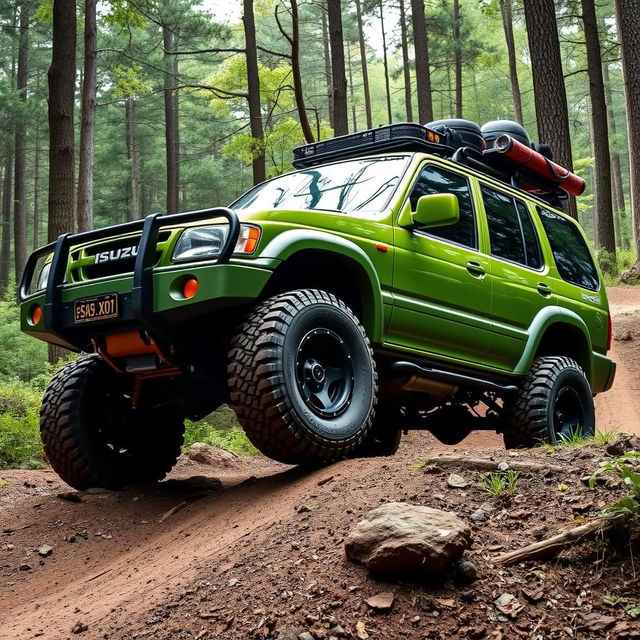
{"type": "Point", "coordinates": [558, 332]}
{"type": "Point", "coordinates": [312, 259]}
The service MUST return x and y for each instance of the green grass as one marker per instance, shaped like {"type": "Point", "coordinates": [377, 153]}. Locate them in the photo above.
{"type": "Point", "coordinates": [501, 483]}
{"type": "Point", "coordinates": [220, 429]}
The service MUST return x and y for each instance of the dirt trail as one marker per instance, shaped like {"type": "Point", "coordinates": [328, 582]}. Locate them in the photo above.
{"type": "Point", "coordinates": [117, 555]}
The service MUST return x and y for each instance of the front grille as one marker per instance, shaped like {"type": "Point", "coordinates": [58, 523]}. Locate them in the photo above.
{"type": "Point", "coordinates": [83, 261]}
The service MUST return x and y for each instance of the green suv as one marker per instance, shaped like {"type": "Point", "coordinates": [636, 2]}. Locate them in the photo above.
{"type": "Point", "coordinates": [333, 307]}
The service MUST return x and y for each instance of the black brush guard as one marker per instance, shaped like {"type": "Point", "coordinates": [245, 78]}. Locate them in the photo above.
{"type": "Point", "coordinates": [141, 302]}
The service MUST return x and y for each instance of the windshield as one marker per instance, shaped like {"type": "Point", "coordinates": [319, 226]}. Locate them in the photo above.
{"type": "Point", "coordinates": [356, 186]}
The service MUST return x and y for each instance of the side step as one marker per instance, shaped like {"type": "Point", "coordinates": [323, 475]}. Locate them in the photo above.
{"type": "Point", "coordinates": [401, 369]}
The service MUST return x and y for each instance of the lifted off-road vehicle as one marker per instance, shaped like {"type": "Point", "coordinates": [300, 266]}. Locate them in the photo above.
{"type": "Point", "coordinates": [405, 277]}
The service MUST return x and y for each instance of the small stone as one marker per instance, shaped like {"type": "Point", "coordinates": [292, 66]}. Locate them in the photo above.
{"type": "Point", "coordinates": [508, 604]}
{"type": "Point", "coordinates": [79, 627]}
{"type": "Point", "coordinates": [288, 633]}
{"type": "Point", "coordinates": [457, 481]}
{"type": "Point", "coordinates": [465, 572]}
{"type": "Point", "coordinates": [305, 635]}
{"type": "Point", "coordinates": [479, 516]}
{"type": "Point", "coordinates": [70, 496]}
{"type": "Point", "coordinates": [26, 567]}
{"type": "Point", "coordinates": [381, 601]}
{"type": "Point", "coordinates": [233, 582]}
{"type": "Point", "coordinates": [595, 622]}
{"type": "Point", "coordinates": [503, 466]}
{"type": "Point", "coordinates": [45, 550]}
{"type": "Point", "coordinates": [361, 632]}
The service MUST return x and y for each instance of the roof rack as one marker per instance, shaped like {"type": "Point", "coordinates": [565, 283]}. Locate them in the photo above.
{"type": "Point", "coordinates": [412, 137]}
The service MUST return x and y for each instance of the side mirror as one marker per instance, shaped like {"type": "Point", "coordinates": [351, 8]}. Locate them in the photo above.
{"type": "Point", "coordinates": [436, 210]}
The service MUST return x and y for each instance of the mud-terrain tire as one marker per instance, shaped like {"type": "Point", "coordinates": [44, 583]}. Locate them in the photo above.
{"type": "Point", "coordinates": [384, 437]}
{"type": "Point", "coordinates": [554, 399]}
{"type": "Point", "coordinates": [302, 378]}
{"type": "Point", "coordinates": [92, 436]}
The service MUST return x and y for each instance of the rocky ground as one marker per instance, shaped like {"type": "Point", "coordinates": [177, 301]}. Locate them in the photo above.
{"type": "Point", "coordinates": [238, 548]}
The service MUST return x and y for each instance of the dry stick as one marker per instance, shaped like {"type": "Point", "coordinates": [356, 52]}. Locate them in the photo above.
{"type": "Point", "coordinates": [555, 544]}
{"type": "Point", "coordinates": [171, 511]}
{"type": "Point", "coordinates": [482, 464]}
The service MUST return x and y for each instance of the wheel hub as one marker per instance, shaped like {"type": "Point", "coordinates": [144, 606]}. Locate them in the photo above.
{"type": "Point", "coordinates": [324, 372]}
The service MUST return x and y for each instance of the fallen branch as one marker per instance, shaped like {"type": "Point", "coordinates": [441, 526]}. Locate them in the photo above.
{"type": "Point", "coordinates": [482, 464]}
{"type": "Point", "coordinates": [171, 511]}
{"type": "Point", "coordinates": [555, 544]}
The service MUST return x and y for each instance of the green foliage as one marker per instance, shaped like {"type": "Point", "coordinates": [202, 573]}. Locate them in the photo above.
{"type": "Point", "coordinates": [575, 438]}
{"type": "Point", "coordinates": [20, 444]}
{"type": "Point", "coordinates": [627, 468]}
{"type": "Point", "coordinates": [220, 429]}
{"type": "Point", "coordinates": [501, 483]}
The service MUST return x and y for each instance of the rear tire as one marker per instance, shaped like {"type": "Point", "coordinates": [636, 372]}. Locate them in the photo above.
{"type": "Point", "coordinates": [302, 378]}
{"type": "Point", "coordinates": [554, 399]}
{"type": "Point", "coordinates": [94, 438]}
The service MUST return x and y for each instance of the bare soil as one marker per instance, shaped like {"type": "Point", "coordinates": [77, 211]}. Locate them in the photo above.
{"type": "Point", "coordinates": [245, 547]}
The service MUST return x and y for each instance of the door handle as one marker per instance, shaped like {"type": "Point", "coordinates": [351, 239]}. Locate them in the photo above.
{"type": "Point", "coordinates": [543, 289]}
{"type": "Point", "coordinates": [475, 269]}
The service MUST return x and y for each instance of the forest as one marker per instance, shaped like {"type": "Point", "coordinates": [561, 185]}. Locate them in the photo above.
{"type": "Point", "coordinates": [113, 110]}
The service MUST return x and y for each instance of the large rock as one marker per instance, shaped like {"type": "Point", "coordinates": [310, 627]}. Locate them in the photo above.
{"type": "Point", "coordinates": [407, 538]}
{"type": "Point", "coordinates": [212, 456]}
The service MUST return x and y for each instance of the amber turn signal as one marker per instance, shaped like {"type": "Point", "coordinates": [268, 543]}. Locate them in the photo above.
{"type": "Point", "coordinates": [190, 288]}
{"type": "Point", "coordinates": [36, 315]}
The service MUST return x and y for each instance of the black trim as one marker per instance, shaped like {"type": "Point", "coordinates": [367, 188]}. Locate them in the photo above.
{"type": "Point", "coordinates": [142, 291]}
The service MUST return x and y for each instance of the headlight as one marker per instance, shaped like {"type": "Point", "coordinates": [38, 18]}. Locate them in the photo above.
{"type": "Point", "coordinates": [44, 276]}
{"type": "Point", "coordinates": [203, 243]}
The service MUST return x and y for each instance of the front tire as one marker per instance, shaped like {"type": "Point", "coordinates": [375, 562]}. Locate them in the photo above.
{"type": "Point", "coordinates": [302, 378]}
{"type": "Point", "coordinates": [94, 438]}
{"type": "Point", "coordinates": [554, 402]}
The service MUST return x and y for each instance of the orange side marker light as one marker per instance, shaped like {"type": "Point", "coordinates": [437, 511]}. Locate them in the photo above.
{"type": "Point", "coordinates": [36, 315]}
{"type": "Point", "coordinates": [190, 288]}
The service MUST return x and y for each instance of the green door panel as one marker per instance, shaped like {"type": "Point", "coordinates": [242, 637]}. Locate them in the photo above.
{"type": "Point", "coordinates": [442, 298]}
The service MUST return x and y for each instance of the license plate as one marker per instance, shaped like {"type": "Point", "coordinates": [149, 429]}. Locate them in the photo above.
{"type": "Point", "coordinates": [97, 308]}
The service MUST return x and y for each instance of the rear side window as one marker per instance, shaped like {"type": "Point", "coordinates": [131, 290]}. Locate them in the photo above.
{"type": "Point", "coordinates": [436, 180]}
{"type": "Point", "coordinates": [569, 250]}
{"type": "Point", "coordinates": [511, 231]}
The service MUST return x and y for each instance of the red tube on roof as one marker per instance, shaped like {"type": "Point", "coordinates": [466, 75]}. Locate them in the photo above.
{"type": "Point", "coordinates": [539, 165]}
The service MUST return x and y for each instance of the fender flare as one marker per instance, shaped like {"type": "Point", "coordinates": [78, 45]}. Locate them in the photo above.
{"type": "Point", "coordinates": [292, 242]}
{"type": "Point", "coordinates": [544, 319]}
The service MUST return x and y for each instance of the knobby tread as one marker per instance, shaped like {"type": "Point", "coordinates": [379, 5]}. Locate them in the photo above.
{"type": "Point", "coordinates": [67, 436]}
{"type": "Point", "coordinates": [257, 387]}
{"type": "Point", "coordinates": [526, 416]}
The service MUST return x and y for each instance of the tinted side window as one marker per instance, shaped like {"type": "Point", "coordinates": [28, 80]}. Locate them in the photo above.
{"type": "Point", "coordinates": [504, 226]}
{"type": "Point", "coordinates": [531, 244]}
{"type": "Point", "coordinates": [510, 229]}
{"type": "Point", "coordinates": [569, 250]}
{"type": "Point", "coordinates": [436, 180]}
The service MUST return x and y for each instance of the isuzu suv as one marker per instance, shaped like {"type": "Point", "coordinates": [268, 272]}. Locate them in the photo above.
{"type": "Point", "coordinates": [397, 280]}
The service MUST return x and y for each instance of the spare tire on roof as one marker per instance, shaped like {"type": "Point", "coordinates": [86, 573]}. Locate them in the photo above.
{"type": "Point", "coordinates": [459, 133]}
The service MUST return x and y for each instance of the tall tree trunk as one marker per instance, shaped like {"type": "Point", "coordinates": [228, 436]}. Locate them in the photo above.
{"type": "Point", "coordinates": [386, 65]}
{"type": "Point", "coordinates": [7, 200]}
{"type": "Point", "coordinates": [338, 75]}
{"type": "Point", "coordinates": [548, 83]}
{"type": "Point", "coordinates": [36, 189]}
{"type": "Point", "coordinates": [170, 128]}
{"type": "Point", "coordinates": [176, 125]}
{"type": "Point", "coordinates": [327, 63]}
{"type": "Point", "coordinates": [628, 18]}
{"type": "Point", "coordinates": [253, 83]}
{"type": "Point", "coordinates": [457, 56]}
{"type": "Point", "coordinates": [616, 166]}
{"type": "Point", "coordinates": [62, 81]}
{"type": "Point", "coordinates": [364, 65]}
{"type": "Point", "coordinates": [406, 68]}
{"type": "Point", "coordinates": [605, 230]}
{"type": "Point", "coordinates": [20, 183]}
{"type": "Point", "coordinates": [506, 9]}
{"type": "Point", "coordinates": [423, 73]}
{"type": "Point", "coordinates": [294, 40]}
{"type": "Point", "coordinates": [354, 116]}
{"type": "Point", "coordinates": [84, 209]}
{"type": "Point", "coordinates": [132, 151]}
